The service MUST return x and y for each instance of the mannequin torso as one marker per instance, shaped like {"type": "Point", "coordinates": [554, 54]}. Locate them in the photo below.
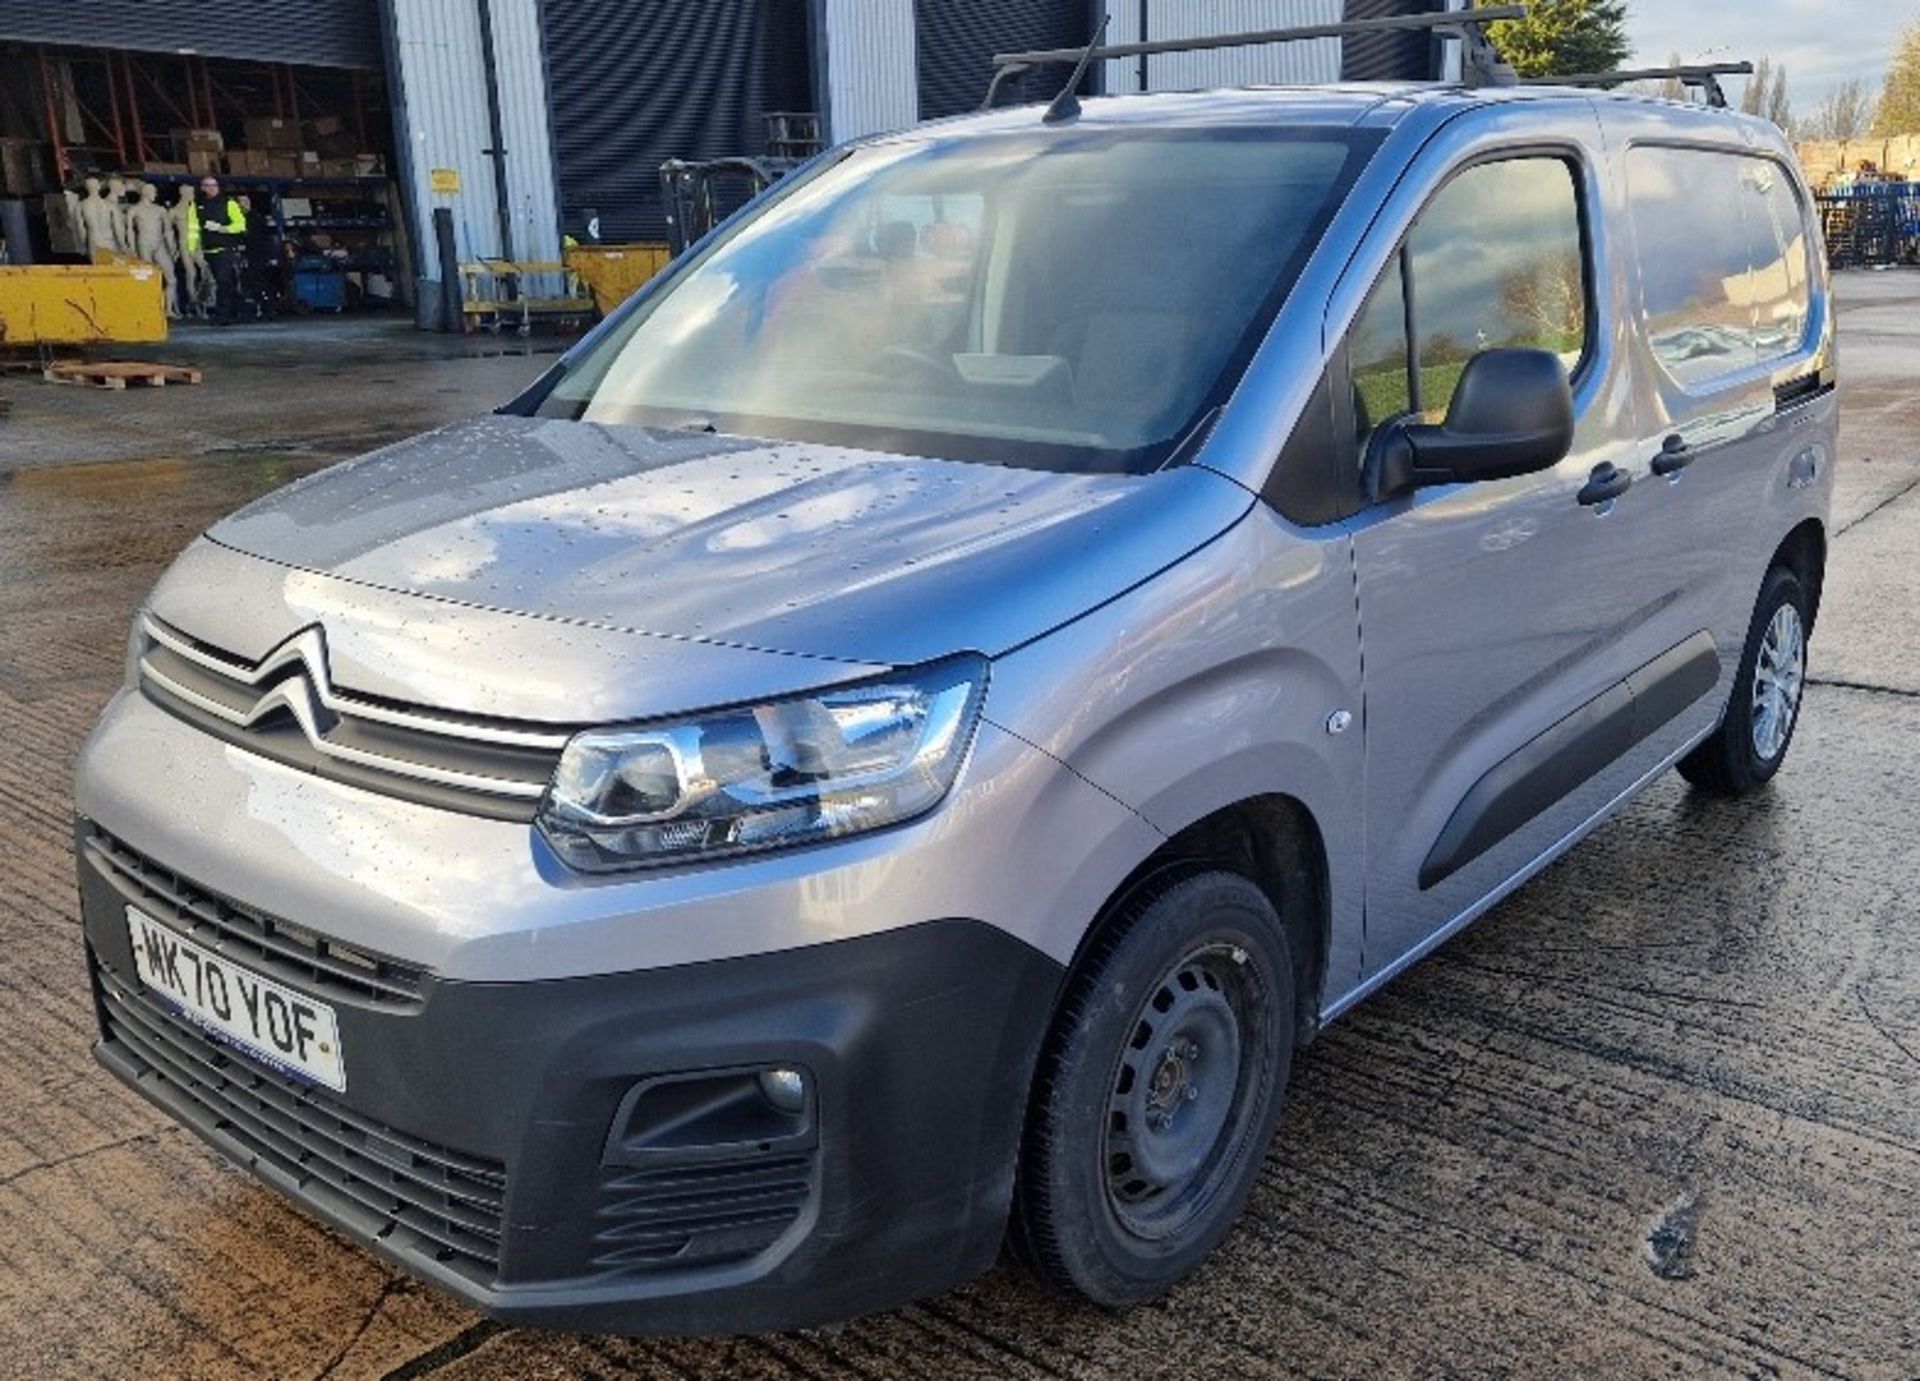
{"type": "Point", "coordinates": [97, 219]}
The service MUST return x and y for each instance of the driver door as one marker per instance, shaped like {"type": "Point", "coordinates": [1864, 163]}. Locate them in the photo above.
{"type": "Point", "coordinates": [1501, 620]}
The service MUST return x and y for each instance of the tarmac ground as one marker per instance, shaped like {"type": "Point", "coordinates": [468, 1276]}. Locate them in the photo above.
{"type": "Point", "coordinates": [1658, 1113]}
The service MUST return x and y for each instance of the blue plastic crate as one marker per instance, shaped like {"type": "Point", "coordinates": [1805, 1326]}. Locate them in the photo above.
{"type": "Point", "coordinates": [320, 292]}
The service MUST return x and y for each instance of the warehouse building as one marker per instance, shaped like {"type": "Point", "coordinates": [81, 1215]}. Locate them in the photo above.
{"type": "Point", "coordinates": [349, 123]}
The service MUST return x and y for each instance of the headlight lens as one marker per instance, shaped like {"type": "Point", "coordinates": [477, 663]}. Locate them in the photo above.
{"type": "Point", "coordinates": [815, 767]}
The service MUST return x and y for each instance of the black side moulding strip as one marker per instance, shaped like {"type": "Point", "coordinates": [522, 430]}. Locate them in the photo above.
{"type": "Point", "coordinates": [1518, 788]}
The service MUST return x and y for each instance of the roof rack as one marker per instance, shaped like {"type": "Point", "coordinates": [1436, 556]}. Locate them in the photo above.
{"type": "Point", "coordinates": [1480, 63]}
{"type": "Point", "coordinates": [1702, 77]}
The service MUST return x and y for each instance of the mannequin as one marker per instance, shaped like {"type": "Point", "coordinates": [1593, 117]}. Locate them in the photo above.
{"type": "Point", "coordinates": [122, 228]}
{"type": "Point", "coordinates": [195, 275]}
{"type": "Point", "coordinates": [154, 239]}
{"type": "Point", "coordinates": [97, 221]}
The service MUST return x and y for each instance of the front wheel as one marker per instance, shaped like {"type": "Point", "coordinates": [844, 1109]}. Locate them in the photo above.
{"type": "Point", "coordinates": [1158, 1091]}
{"type": "Point", "coordinates": [1751, 743]}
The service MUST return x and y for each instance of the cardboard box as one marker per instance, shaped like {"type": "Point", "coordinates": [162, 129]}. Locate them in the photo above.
{"type": "Point", "coordinates": [338, 167]}
{"type": "Point", "coordinates": [200, 164]}
{"type": "Point", "coordinates": [283, 164]}
{"type": "Point", "coordinates": [273, 132]}
{"type": "Point", "coordinates": [369, 165]}
{"type": "Point", "coordinates": [199, 140]}
{"type": "Point", "coordinates": [176, 169]}
{"type": "Point", "coordinates": [246, 162]}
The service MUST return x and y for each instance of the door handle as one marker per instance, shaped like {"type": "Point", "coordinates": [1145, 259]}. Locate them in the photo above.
{"type": "Point", "coordinates": [1675, 456]}
{"type": "Point", "coordinates": [1607, 483]}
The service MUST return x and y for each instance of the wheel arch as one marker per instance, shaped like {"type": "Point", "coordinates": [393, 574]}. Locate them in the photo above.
{"type": "Point", "coordinates": [1273, 840]}
{"type": "Point", "coordinates": [1804, 552]}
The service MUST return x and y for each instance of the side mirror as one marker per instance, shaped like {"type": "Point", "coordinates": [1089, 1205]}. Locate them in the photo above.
{"type": "Point", "coordinates": [1511, 414]}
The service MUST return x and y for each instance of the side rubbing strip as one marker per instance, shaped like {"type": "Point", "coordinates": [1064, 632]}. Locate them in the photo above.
{"type": "Point", "coordinates": [1564, 757]}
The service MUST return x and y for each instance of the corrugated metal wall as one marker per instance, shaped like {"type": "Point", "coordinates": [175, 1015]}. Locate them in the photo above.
{"type": "Point", "coordinates": [441, 89]}
{"type": "Point", "coordinates": [1384, 57]}
{"type": "Point", "coordinates": [1276, 63]}
{"type": "Point", "coordinates": [1391, 57]}
{"type": "Point", "coordinates": [526, 129]}
{"type": "Point", "coordinates": [636, 82]}
{"type": "Point", "coordinates": [872, 81]}
{"type": "Point", "coordinates": [956, 41]}
{"type": "Point", "coordinates": [324, 33]}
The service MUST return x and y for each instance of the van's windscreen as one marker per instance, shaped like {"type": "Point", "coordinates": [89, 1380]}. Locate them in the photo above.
{"type": "Point", "coordinates": [1070, 300]}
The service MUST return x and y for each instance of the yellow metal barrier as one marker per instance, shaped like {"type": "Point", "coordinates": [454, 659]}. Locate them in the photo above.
{"type": "Point", "coordinates": [86, 304]}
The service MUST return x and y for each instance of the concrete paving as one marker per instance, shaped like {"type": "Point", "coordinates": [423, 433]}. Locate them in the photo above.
{"type": "Point", "coordinates": [1658, 1113]}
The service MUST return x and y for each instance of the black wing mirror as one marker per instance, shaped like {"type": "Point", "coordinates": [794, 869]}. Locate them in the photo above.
{"type": "Point", "coordinates": [1511, 414]}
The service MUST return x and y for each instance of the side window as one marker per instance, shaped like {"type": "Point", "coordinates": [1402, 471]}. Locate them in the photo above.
{"type": "Point", "coordinates": [1496, 259]}
{"type": "Point", "coordinates": [1377, 357]}
{"type": "Point", "coordinates": [1779, 237]}
{"type": "Point", "coordinates": [1723, 260]}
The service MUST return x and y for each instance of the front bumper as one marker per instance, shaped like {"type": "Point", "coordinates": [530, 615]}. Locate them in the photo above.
{"type": "Point", "coordinates": [476, 1145]}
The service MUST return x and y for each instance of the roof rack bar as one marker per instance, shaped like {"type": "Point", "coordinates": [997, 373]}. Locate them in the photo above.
{"type": "Point", "coordinates": [1705, 76]}
{"type": "Point", "coordinates": [1450, 24]}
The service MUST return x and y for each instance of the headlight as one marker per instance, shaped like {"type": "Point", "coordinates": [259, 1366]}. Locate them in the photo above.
{"type": "Point", "coordinates": [815, 767]}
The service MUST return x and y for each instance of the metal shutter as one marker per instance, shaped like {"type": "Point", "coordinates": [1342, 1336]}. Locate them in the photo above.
{"type": "Point", "coordinates": [322, 33]}
{"type": "Point", "coordinates": [632, 83]}
{"type": "Point", "coordinates": [1390, 57]}
{"type": "Point", "coordinates": [955, 41]}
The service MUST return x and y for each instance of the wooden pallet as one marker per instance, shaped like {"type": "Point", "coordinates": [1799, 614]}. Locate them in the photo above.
{"type": "Point", "coordinates": [120, 374]}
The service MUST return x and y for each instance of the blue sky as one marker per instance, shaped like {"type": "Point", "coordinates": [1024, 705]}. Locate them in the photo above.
{"type": "Point", "coordinates": [1822, 42]}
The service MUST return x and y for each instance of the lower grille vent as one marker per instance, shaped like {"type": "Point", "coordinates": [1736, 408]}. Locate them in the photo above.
{"type": "Point", "coordinates": [699, 1215]}
{"type": "Point", "coordinates": [443, 1204]}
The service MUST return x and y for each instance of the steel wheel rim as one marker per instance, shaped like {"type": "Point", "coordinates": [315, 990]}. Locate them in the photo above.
{"type": "Point", "coordinates": [1179, 1106]}
{"type": "Point", "coordinates": [1779, 676]}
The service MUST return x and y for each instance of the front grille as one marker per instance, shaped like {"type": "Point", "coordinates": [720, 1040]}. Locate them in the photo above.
{"type": "Point", "coordinates": [699, 1215]}
{"type": "Point", "coordinates": [411, 1193]}
{"type": "Point", "coordinates": [285, 707]}
{"type": "Point", "coordinates": [277, 948]}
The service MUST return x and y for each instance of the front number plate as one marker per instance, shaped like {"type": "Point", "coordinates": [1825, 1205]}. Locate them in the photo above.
{"type": "Point", "coordinates": [285, 1029]}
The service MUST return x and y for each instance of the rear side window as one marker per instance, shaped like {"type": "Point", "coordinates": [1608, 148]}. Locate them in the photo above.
{"type": "Point", "coordinates": [1781, 294]}
{"type": "Point", "coordinates": [1496, 259]}
{"type": "Point", "coordinates": [1723, 260]}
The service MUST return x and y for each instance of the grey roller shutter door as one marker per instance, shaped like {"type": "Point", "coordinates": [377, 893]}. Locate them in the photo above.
{"type": "Point", "coordinates": [1390, 57]}
{"type": "Point", "coordinates": [632, 83]}
{"type": "Point", "coordinates": [956, 40]}
{"type": "Point", "coordinates": [321, 33]}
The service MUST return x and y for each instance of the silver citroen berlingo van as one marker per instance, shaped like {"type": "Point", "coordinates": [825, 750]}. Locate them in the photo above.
{"type": "Point", "coordinates": [893, 743]}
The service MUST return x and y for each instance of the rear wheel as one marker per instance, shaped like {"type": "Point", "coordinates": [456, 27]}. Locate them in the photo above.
{"type": "Point", "coordinates": [1751, 743]}
{"type": "Point", "coordinates": [1158, 1091]}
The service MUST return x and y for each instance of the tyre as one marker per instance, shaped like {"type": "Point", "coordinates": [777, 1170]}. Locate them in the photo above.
{"type": "Point", "coordinates": [1158, 1090]}
{"type": "Point", "coordinates": [1752, 740]}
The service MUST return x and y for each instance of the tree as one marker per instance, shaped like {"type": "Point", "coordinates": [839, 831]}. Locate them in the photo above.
{"type": "Point", "coordinates": [1672, 88]}
{"type": "Point", "coordinates": [1561, 37]}
{"type": "Point", "coordinates": [1847, 113]}
{"type": "Point", "coordinates": [1548, 297]}
{"type": "Point", "coordinates": [1766, 94]}
{"type": "Point", "coordinates": [1900, 100]}
{"type": "Point", "coordinates": [1779, 107]}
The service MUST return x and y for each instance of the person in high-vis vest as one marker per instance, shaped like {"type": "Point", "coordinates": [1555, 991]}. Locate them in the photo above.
{"type": "Point", "coordinates": [223, 233]}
